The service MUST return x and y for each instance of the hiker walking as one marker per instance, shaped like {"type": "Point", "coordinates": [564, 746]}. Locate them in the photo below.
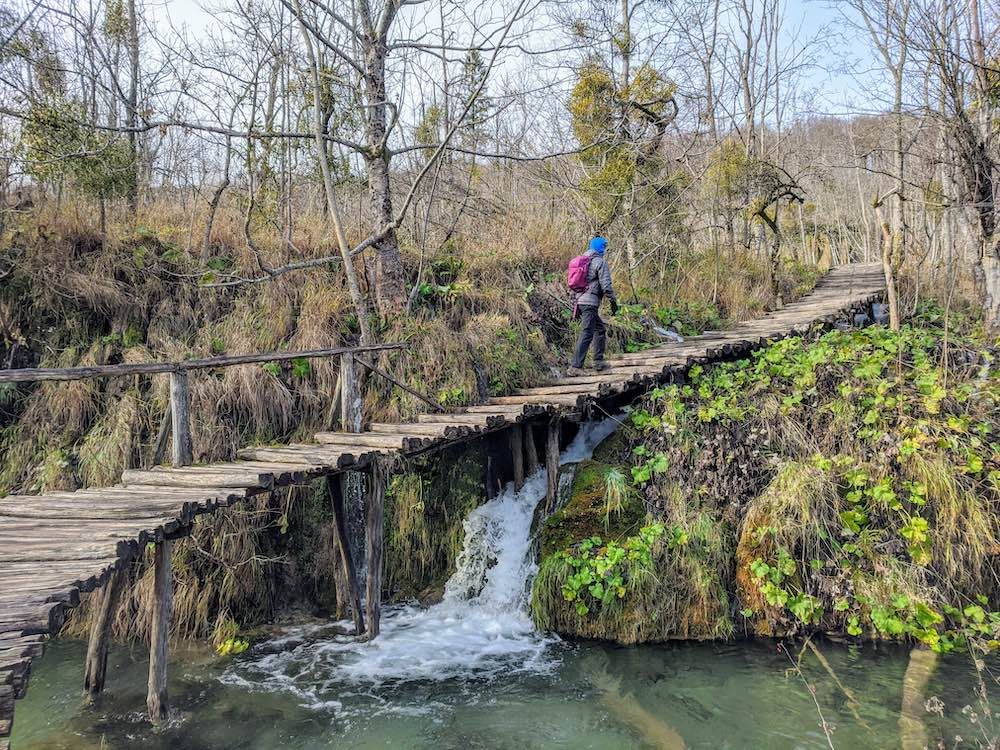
{"type": "Point", "coordinates": [590, 278]}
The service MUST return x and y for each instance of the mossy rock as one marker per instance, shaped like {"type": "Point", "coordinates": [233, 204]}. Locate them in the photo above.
{"type": "Point", "coordinates": [681, 597]}
{"type": "Point", "coordinates": [585, 512]}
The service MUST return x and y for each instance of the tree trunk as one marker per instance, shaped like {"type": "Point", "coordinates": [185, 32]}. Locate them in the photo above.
{"type": "Point", "coordinates": [990, 270]}
{"type": "Point", "coordinates": [213, 205]}
{"type": "Point", "coordinates": [888, 268]}
{"type": "Point", "coordinates": [132, 110]}
{"type": "Point", "coordinates": [390, 280]}
{"type": "Point", "coordinates": [357, 298]}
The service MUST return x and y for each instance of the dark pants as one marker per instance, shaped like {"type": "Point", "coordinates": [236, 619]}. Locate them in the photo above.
{"type": "Point", "coordinates": [592, 328]}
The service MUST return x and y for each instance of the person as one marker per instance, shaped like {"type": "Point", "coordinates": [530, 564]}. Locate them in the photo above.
{"type": "Point", "coordinates": [592, 328]}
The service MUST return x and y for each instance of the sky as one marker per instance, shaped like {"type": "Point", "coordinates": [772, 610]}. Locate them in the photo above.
{"type": "Point", "coordinates": [843, 78]}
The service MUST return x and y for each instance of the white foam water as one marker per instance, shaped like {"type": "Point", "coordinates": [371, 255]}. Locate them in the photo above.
{"type": "Point", "coordinates": [480, 627]}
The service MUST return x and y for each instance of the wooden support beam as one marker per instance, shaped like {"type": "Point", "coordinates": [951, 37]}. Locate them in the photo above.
{"type": "Point", "coordinates": [160, 448]}
{"type": "Point", "coordinates": [180, 416]}
{"type": "Point", "coordinates": [102, 619]}
{"type": "Point", "coordinates": [337, 489]}
{"type": "Point", "coordinates": [373, 548]}
{"type": "Point", "coordinates": [489, 478]}
{"type": "Point", "coordinates": [552, 466]}
{"type": "Point", "coordinates": [530, 449]}
{"type": "Point", "coordinates": [159, 633]}
{"type": "Point", "coordinates": [517, 454]}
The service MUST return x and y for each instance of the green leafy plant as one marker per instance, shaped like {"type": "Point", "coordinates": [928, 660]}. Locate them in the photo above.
{"type": "Point", "coordinates": [601, 569]}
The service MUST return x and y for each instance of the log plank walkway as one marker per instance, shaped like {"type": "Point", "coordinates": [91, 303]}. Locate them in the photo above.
{"type": "Point", "coordinates": [55, 546]}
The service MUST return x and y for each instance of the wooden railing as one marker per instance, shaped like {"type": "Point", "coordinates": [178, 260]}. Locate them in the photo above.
{"type": "Point", "coordinates": [177, 419]}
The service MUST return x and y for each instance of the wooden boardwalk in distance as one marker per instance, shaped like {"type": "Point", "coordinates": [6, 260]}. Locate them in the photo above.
{"type": "Point", "coordinates": [57, 545]}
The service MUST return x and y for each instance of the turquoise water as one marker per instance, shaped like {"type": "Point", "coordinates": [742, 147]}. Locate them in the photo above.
{"type": "Point", "coordinates": [738, 695]}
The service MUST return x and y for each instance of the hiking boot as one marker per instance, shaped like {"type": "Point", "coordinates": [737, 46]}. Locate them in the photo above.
{"type": "Point", "coordinates": [574, 372]}
{"type": "Point", "coordinates": [601, 366]}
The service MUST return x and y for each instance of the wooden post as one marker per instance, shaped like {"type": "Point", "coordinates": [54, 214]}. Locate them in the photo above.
{"type": "Point", "coordinates": [530, 450]}
{"type": "Point", "coordinates": [349, 574]}
{"type": "Point", "coordinates": [100, 634]}
{"type": "Point", "coordinates": [351, 420]}
{"type": "Point", "coordinates": [552, 466]}
{"type": "Point", "coordinates": [490, 480]}
{"type": "Point", "coordinates": [160, 449]}
{"type": "Point", "coordinates": [180, 415]}
{"type": "Point", "coordinates": [373, 548]}
{"type": "Point", "coordinates": [517, 453]}
{"type": "Point", "coordinates": [350, 394]}
{"type": "Point", "coordinates": [159, 634]}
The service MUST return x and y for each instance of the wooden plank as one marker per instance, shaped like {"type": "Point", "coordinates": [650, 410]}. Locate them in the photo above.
{"type": "Point", "coordinates": [478, 420]}
{"type": "Point", "coordinates": [334, 457]}
{"type": "Point", "coordinates": [39, 591]}
{"type": "Point", "coordinates": [39, 618]}
{"type": "Point", "coordinates": [136, 513]}
{"type": "Point", "coordinates": [569, 400]}
{"type": "Point", "coordinates": [184, 478]}
{"type": "Point", "coordinates": [111, 497]}
{"type": "Point", "coordinates": [510, 411]}
{"type": "Point", "coordinates": [15, 527]}
{"type": "Point", "coordinates": [409, 429]}
{"type": "Point", "coordinates": [41, 552]}
{"type": "Point", "coordinates": [27, 647]}
{"type": "Point", "coordinates": [561, 389]}
{"type": "Point", "coordinates": [366, 440]}
{"type": "Point", "coordinates": [614, 373]}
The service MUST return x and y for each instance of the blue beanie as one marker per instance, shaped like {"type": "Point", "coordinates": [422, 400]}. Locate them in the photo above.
{"type": "Point", "coordinates": [599, 245]}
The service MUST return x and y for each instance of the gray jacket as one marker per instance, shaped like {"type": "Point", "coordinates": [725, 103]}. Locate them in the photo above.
{"type": "Point", "coordinates": [598, 282]}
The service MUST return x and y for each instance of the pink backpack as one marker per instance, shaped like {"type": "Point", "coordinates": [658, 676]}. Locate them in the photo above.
{"type": "Point", "coordinates": [576, 273]}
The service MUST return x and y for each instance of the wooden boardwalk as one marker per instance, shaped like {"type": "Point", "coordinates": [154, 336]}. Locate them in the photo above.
{"type": "Point", "coordinates": [55, 546]}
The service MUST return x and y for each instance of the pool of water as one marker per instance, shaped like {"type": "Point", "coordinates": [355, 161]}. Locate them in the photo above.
{"type": "Point", "coordinates": [738, 695]}
{"type": "Point", "coordinates": [472, 672]}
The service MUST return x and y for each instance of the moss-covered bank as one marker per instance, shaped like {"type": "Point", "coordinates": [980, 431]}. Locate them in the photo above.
{"type": "Point", "coordinates": [845, 483]}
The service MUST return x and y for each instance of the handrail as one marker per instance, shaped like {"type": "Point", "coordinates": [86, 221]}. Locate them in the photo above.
{"type": "Point", "coordinates": [30, 374]}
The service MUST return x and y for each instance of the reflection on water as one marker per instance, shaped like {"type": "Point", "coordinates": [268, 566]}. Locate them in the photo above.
{"type": "Point", "coordinates": [737, 695]}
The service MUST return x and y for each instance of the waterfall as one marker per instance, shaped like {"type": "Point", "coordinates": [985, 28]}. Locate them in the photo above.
{"type": "Point", "coordinates": [481, 626]}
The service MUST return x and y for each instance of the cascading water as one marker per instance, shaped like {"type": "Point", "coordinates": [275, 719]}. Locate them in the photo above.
{"type": "Point", "coordinates": [480, 627]}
